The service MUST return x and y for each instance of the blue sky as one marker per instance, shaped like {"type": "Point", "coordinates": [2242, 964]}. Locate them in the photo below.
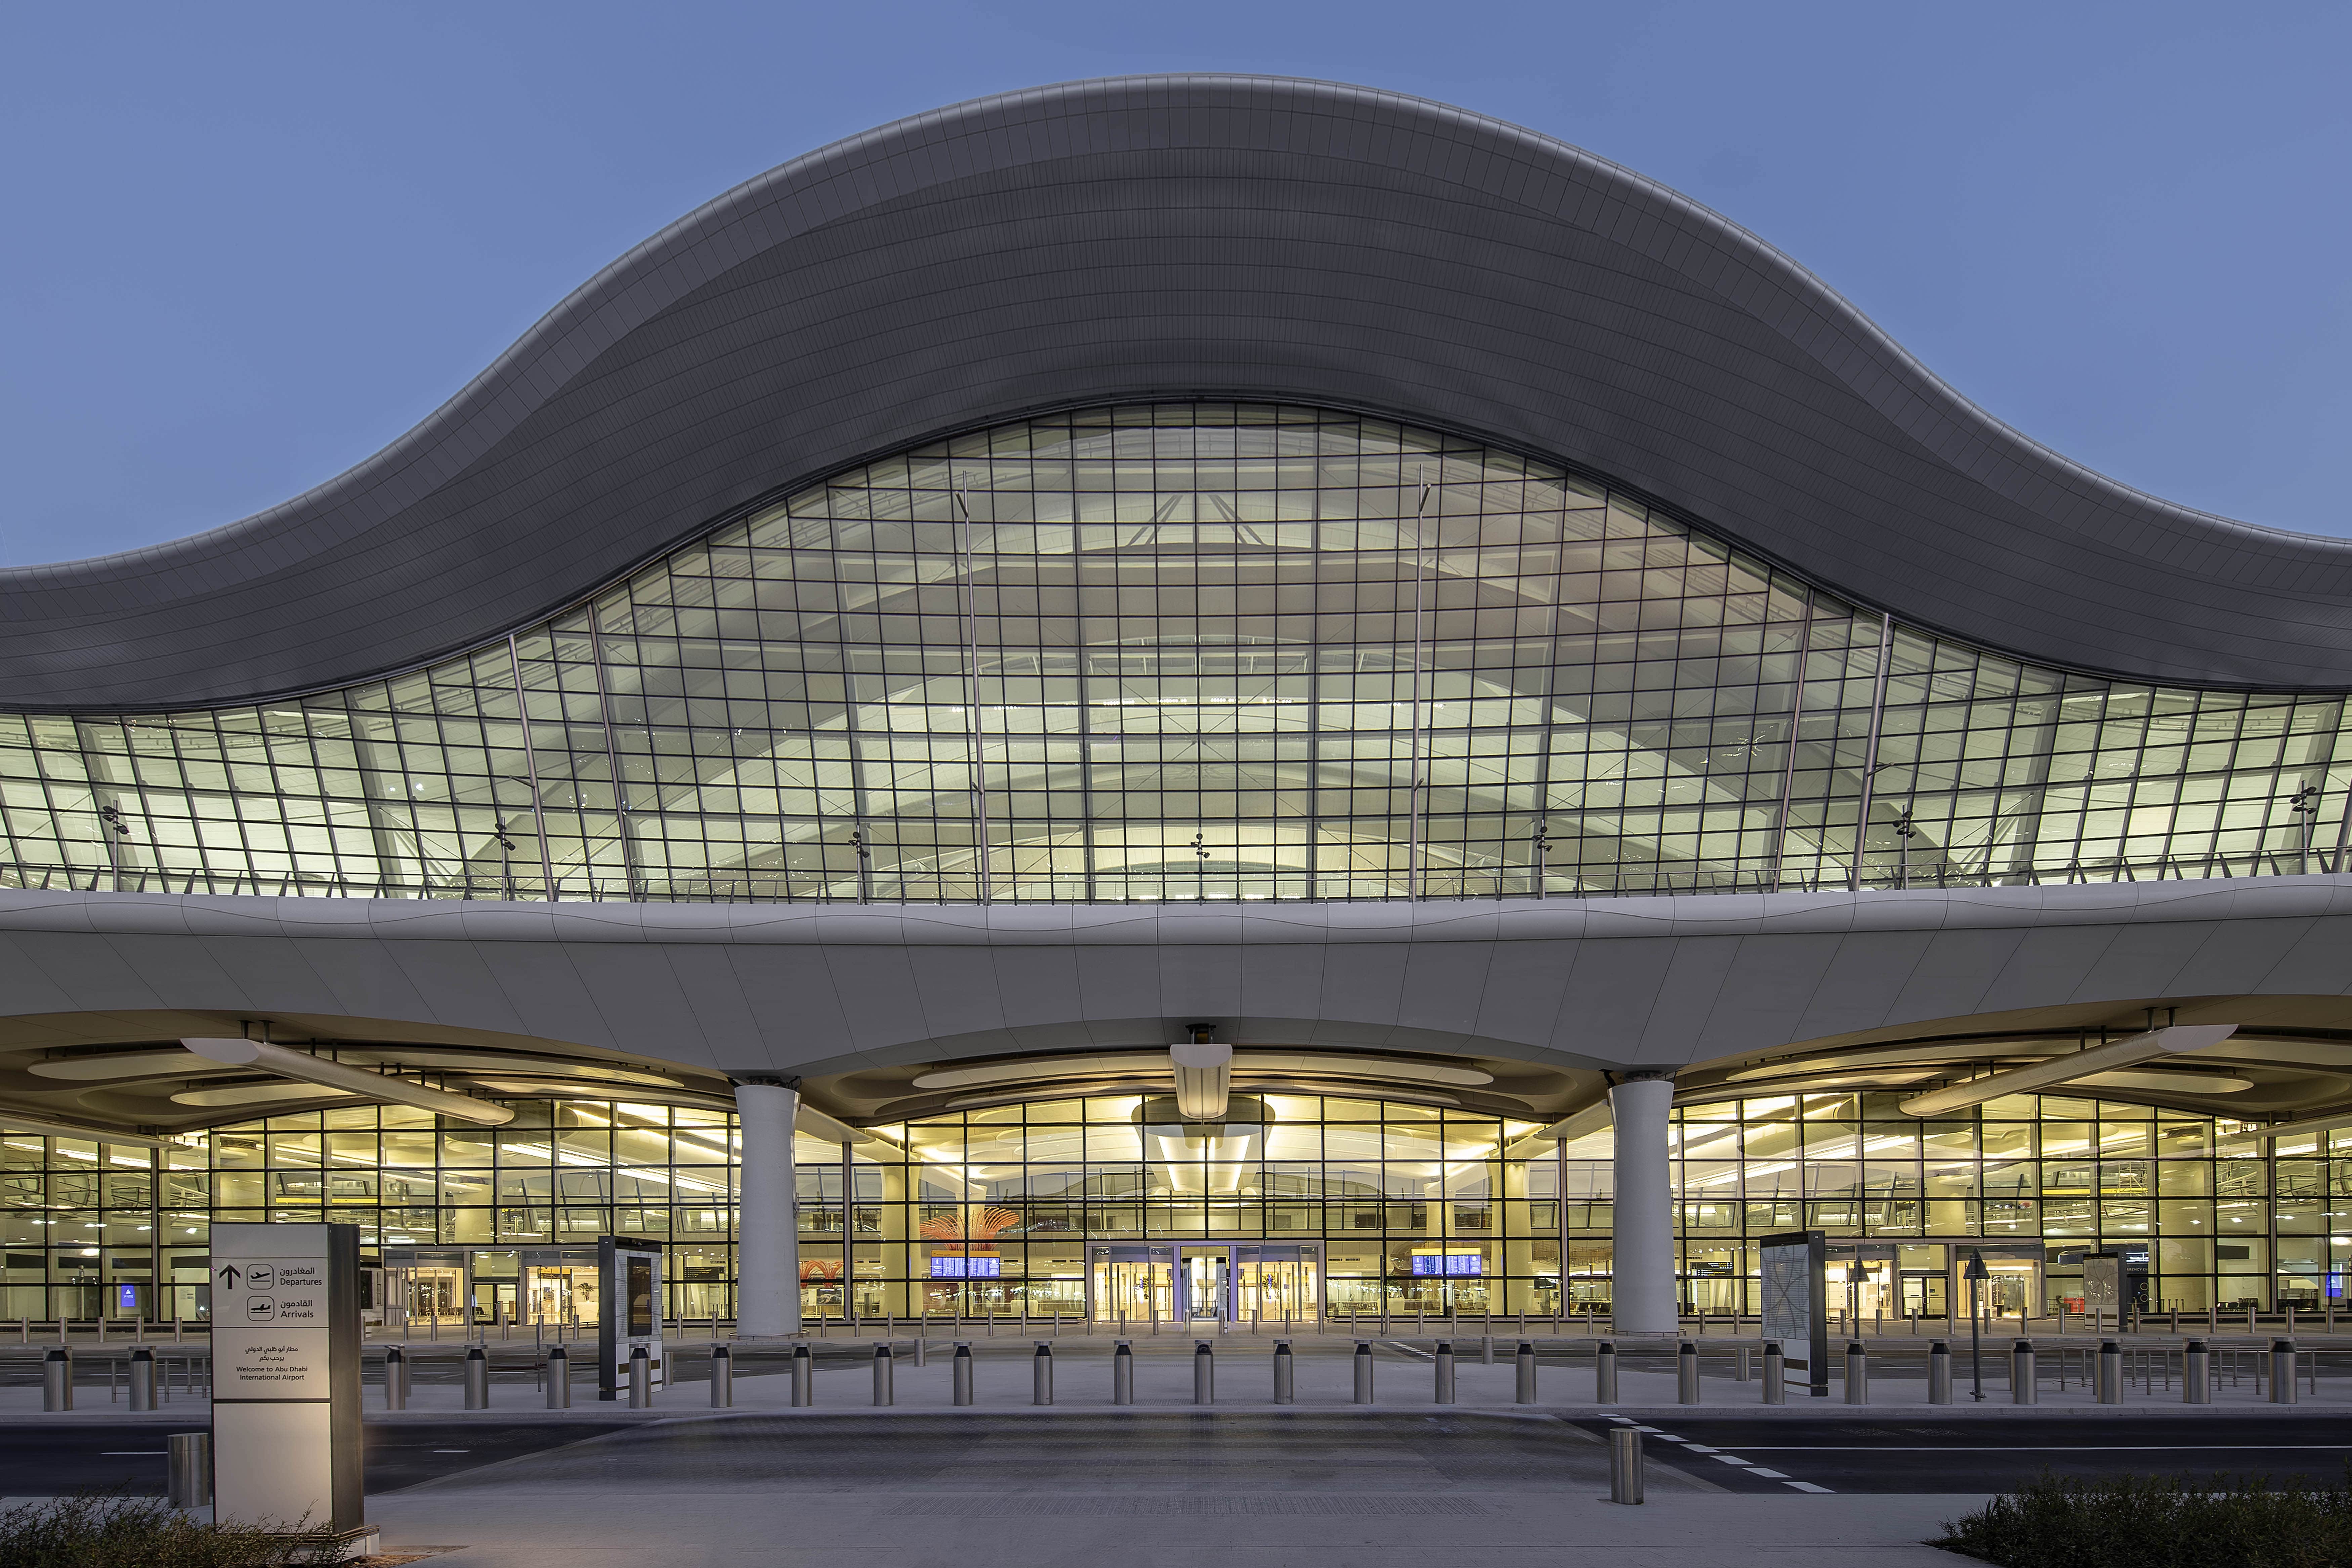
{"type": "Point", "coordinates": [249, 244]}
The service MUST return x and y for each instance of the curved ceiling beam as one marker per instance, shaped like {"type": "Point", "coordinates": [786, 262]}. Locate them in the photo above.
{"type": "Point", "coordinates": [304, 1067]}
{"type": "Point", "coordinates": [2072, 1067]}
{"type": "Point", "coordinates": [1174, 236]}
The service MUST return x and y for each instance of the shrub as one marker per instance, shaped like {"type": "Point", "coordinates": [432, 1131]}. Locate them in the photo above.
{"type": "Point", "coordinates": [2160, 1521]}
{"type": "Point", "coordinates": [110, 1530]}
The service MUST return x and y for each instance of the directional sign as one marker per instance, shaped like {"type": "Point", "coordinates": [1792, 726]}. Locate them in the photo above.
{"type": "Point", "coordinates": [286, 1442]}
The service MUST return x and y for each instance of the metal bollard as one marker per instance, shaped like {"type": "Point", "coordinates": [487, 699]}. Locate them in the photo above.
{"type": "Point", "coordinates": [2024, 1375]}
{"type": "Point", "coordinates": [1284, 1385]}
{"type": "Point", "coordinates": [1775, 1373]}
{"type": "Point", "coordinates": [477, 1380]}
{"type": "Point", "coordinates": [1604, 1374]}
{"type": "Point", "coordinates": [885, 1377]}
{"type": "Point", "coordinates": [558, 1378]}
{"type": "Point", "coordinates": [963, 1371]}
{"type": "Point", "coordinates": [923, 1348]}
{"type": "Point", "coordinates": [57, 1379]}
{"type": "Point", "coordinates": [1742, 1370]}
{"type": "Point", "coordinates": [1442, 1365]}
{"type": "Point", "coordinates": [804, 1378]}
{"type": "Point", "coordinates": [2111, 1373]}
{"type": "Point", "coordinates": [1686, 1374]}
{"type": "Point", "coordinates": [1526, 1392]}
{"type": "Point", "coordinates": [722, 1378]}
{"type": "Point", "coordinates": [1041, 1374]}
{"type": "Point", "coordinates": [2282, 1389]}
{"type": "Point", "coordinates": [1857, 1373]}
{"type": "Point", "coordinates": [1204, 1373]}
{"type": "Point", "coordinates": [188, 1469]}
{"type": "Point", "coordinates": [641, 1378]}
{"type": "Point", "coordinates": [143, 1379]}
{"type": "Point", "coordinates": [2196, 1373]}
{"type": "Point", "coordinates": [1486, 1350]}
{"type": "Point", "coordinates": [1122, 1374]}
{"type": "Point", "coordinates": [396, 1379]}
{"type": "Point", "coordinates": [1624, 1465]}
{"type": "Point", "coordinates": [1940, 1372]}
{"type": "Point", "coordinates": [1363, 1372]}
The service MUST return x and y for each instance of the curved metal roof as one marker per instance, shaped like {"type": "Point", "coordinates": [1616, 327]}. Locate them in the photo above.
{"type": "Point", "coordinates": [1184, 235]}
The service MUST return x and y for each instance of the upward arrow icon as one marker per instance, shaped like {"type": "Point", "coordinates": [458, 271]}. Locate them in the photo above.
{"type": "Point", "coordinates": [229, 1273]}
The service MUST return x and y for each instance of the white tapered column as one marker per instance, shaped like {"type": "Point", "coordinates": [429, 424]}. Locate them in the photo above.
{"type": "Point", "coordinates": [1641, 1289]}
{"type": "Point", "coordinates": [767, 1233]}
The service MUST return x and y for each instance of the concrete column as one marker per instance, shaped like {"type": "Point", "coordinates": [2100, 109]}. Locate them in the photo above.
{"type": "Point", "coordinates": [767, 1231]}
{"type": "Point", "coordinates": [1642, 1285]}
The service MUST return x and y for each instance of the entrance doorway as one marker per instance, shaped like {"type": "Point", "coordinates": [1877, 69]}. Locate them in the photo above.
{"type": "Point", "coordinates": [2015, 1282]}
{"type": "Point", "coordinates": [436, 1292]}
{"type": "Point", "coordinates": [1132, 1285]}
{"type": "Point", "coordinates": [1241, 1282]}
{"type": "Point", "coordinates": [1276, 1281]}
{"type": "Point", "coordinates": [560, 1298]}
{"type": "Point", "coordinates": [1207, 1281]}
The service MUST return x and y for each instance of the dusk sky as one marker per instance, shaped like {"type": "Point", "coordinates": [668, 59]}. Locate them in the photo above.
{"type": "Point", "coordinates": [249, 245]}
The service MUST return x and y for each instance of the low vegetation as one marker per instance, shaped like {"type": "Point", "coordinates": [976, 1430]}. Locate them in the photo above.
{"type": "Point", "coordinates": [110, 1530]}
{"type": "Point", "coordinates": [2161, 1521]}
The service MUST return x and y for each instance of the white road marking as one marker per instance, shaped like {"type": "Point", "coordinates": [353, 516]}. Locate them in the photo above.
{"type": "Point", "coordinates": [2055, 1449]}
{"type": "Point", "coordinates": [1805, 1486]}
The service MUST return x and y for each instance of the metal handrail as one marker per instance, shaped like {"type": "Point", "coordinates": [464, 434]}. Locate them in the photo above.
{"type": "Point", "coordinates": [1435, 884]}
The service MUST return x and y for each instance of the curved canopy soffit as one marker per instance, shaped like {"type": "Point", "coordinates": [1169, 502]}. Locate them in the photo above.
{"type": "Point", "coordinates": [1179, 236]}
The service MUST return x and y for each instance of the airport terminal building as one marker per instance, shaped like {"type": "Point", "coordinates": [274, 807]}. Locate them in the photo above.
{"type": "Point", "coordinates": [1175, 698]}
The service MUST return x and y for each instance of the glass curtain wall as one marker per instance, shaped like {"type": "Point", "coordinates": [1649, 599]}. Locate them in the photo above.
{"type": "Point", "coordinates": [1187, 650]}
{"type": "Point", "coordinates": [1070, 1205]}
{"type": "Point", "coordinates": [2208, 1220]}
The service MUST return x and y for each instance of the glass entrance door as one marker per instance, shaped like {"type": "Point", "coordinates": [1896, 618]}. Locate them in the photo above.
{"type": "Point", "coordinates": [559, 1298]}
{"type": "Point", "coordinates": [1277, 1283]}
{"type": "Point", "coordinates": [434, 1293]}
{"type": "Point", "coordinates": [1132, 1285]}
{"type": "Point", "coordinates": [1923, 1293]}
{"type": "Point", "coordinates": [1207, 1281]}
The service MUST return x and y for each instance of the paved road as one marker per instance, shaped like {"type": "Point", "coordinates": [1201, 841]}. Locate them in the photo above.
{"type": "Point", "coordinates": [1898, 1454]}
{"type": "Point", "coordinates": [46, 1460]}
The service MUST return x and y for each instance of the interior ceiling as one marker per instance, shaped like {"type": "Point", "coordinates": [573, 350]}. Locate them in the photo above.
{"type": "Point", "coordinates": [2291, 1057]}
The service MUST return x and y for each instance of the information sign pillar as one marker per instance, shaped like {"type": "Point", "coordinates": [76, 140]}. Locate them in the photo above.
{"type": "Point", "coordinates": [285, 1381]}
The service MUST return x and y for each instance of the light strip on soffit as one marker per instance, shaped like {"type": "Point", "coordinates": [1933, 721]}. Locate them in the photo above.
{"type": "Point", "coordinates": [1118, 1087]}
{"type": "Point", "coordinates": [1140, 1064]}
{"type": "Point", "coordinates": [237, 1094]}
{"type": "Point", "coordinates": [11, 1122]}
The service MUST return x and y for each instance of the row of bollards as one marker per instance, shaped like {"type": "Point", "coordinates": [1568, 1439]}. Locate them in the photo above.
{"type": "Point", "coordinates": [142, 1381]}
{"type": "Point", "coordinates": [2197, 1384]}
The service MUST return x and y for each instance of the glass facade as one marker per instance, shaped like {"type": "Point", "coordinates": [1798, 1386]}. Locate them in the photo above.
{"type": "Point", "coordinates": [1098, 1205]}
{"type": "Point", "coordinates": [1189, 650]}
